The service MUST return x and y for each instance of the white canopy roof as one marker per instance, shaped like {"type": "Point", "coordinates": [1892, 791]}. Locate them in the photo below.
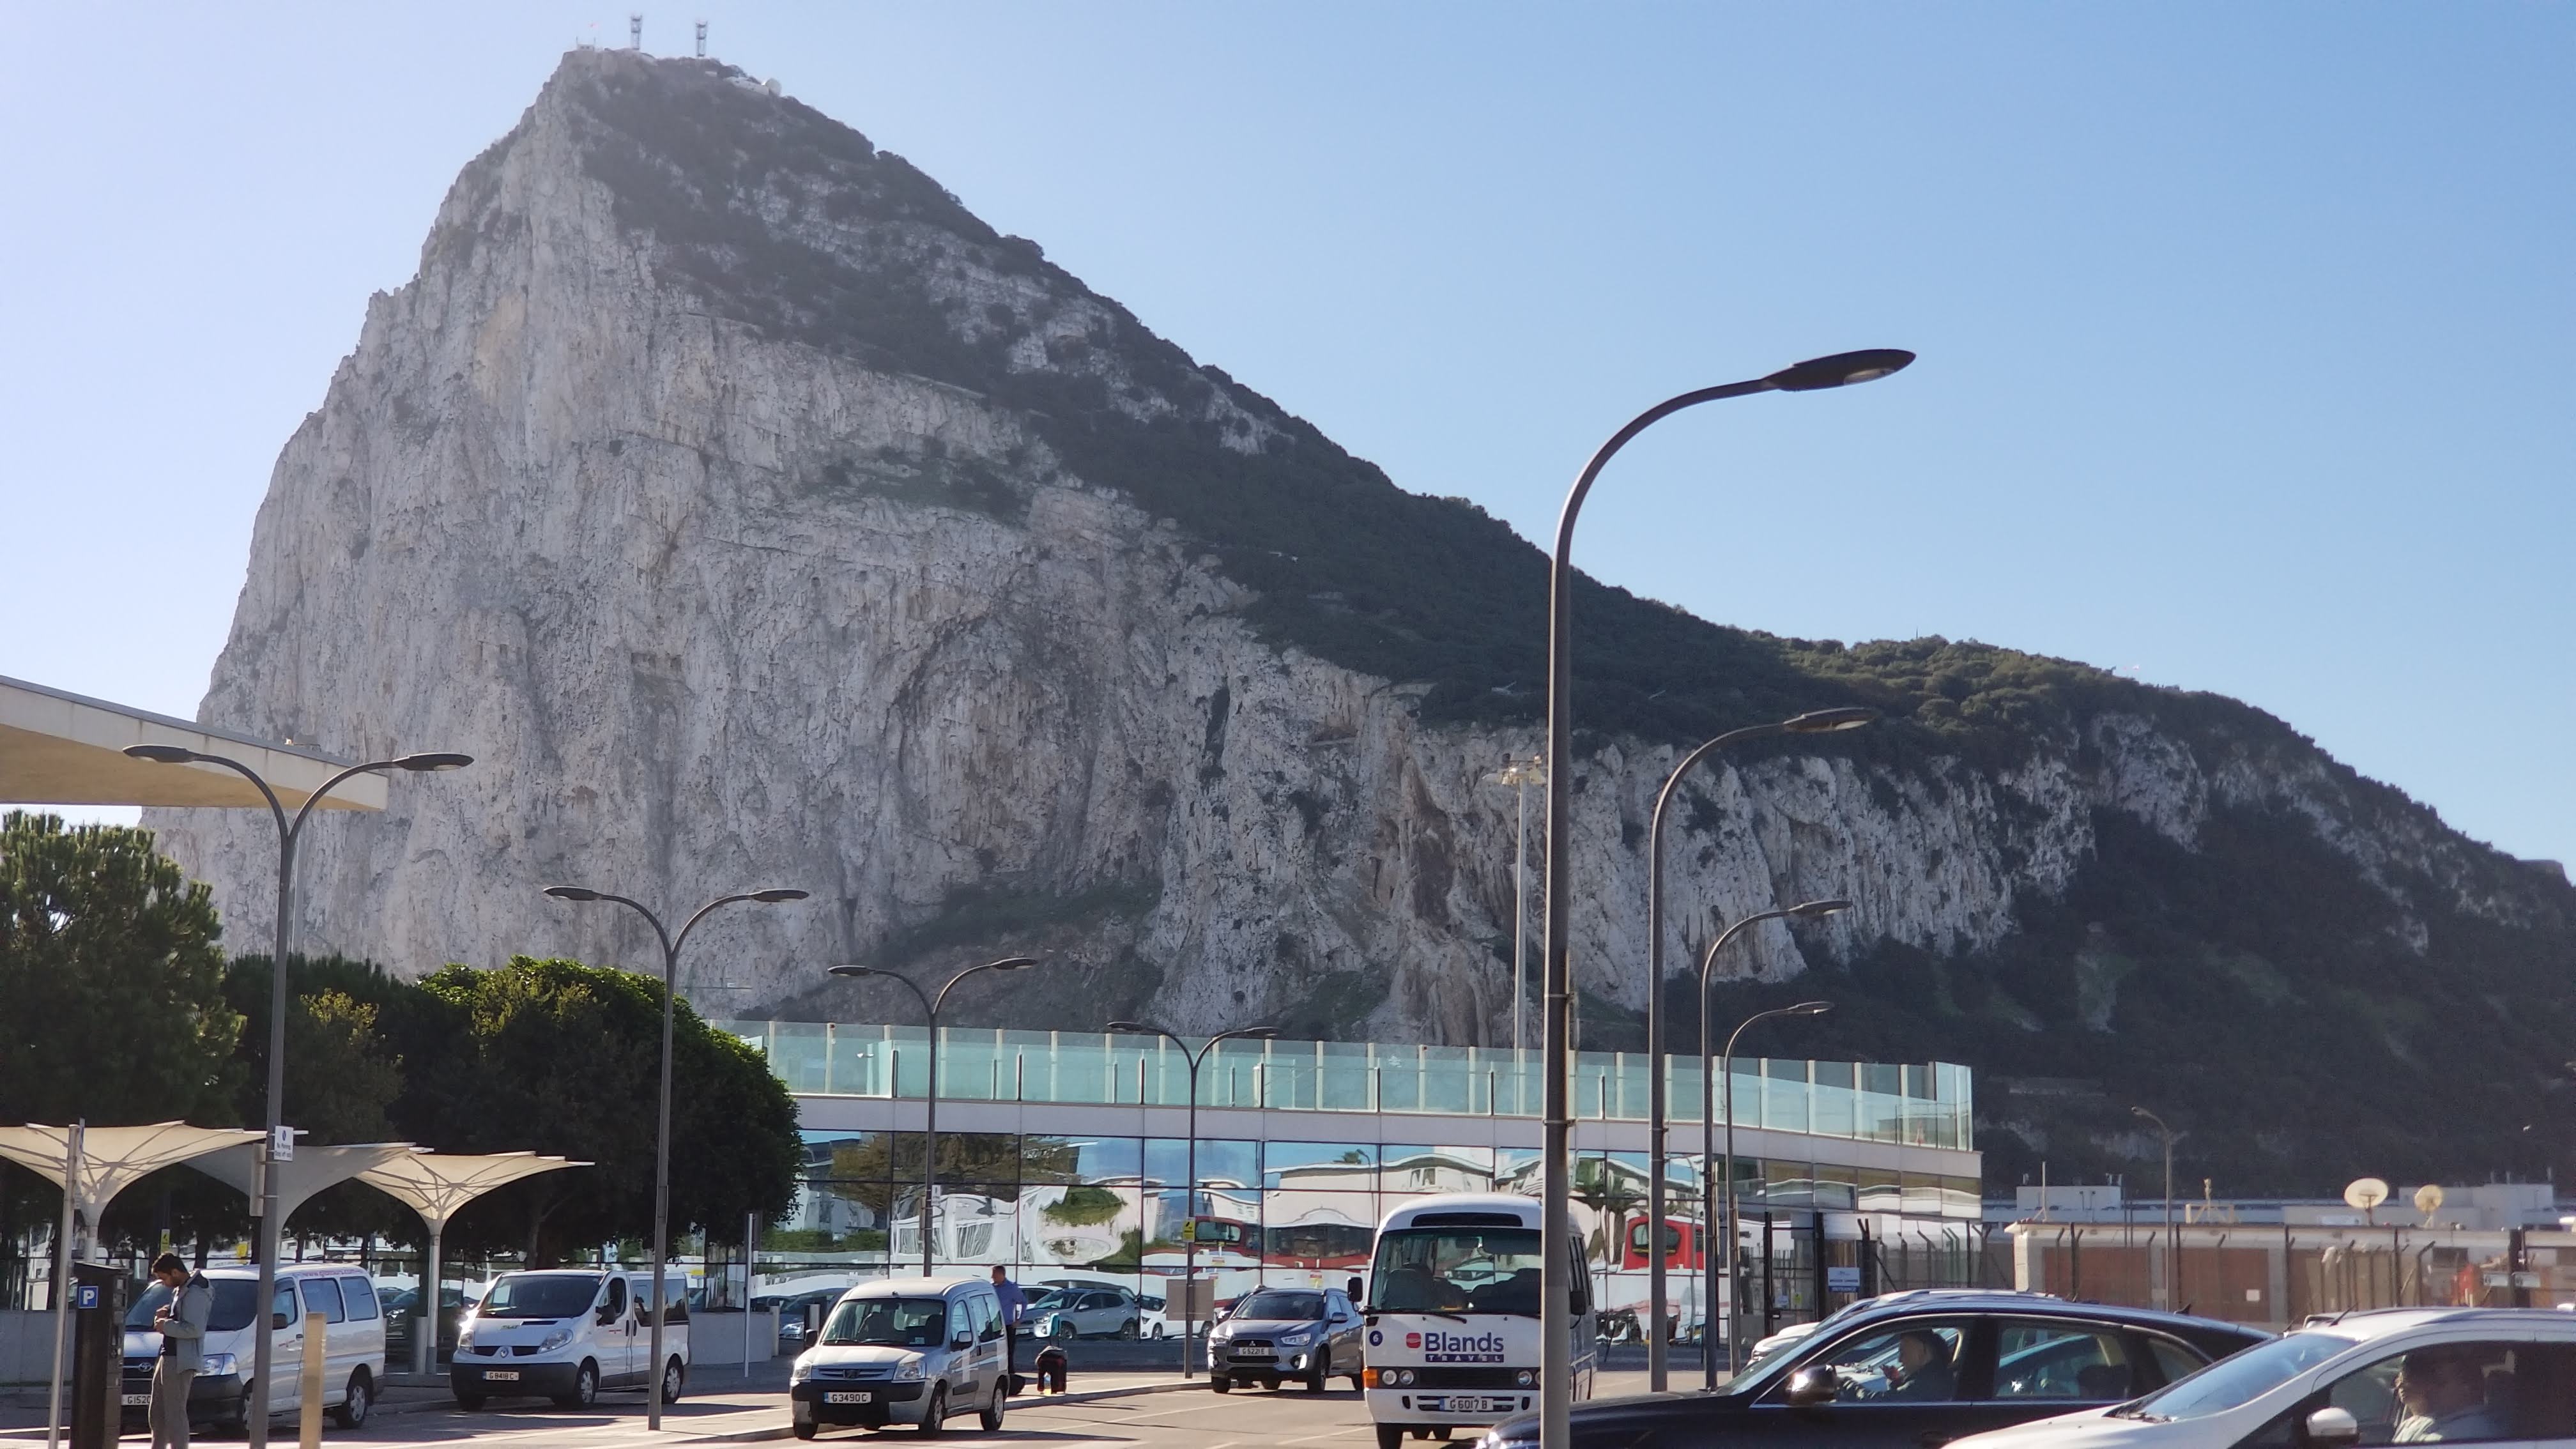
{"type": "Point", "coordinates": [308, 1172]}
{"type": "Point", "coordinates": [67, 749]}
{"type": "Point", "coordinates": [438, 1186]}
{"type": "Point", "coordinates": [112, 1158]}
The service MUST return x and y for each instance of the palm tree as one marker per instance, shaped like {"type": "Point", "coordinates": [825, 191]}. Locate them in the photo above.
{"type": "Point", "coordinates": [1599, 1186]}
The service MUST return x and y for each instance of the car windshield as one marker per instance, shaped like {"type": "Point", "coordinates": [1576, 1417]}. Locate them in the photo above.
{"type": "Point", "coordinates": [1456, 1270]}
{"type": "Point", "coordinates": [895, 1322]}
{"type": "Point", "coordinates": [2242, 1379]}
{"type": "Point", "coordinates": [1298, 1306]}
{"type": "Point", "coordinates": [539, 1297]}
{"type": "Point", "coordinates": [231, 1311]}
{"type": "Point", "coordinates": [1052, 1298]}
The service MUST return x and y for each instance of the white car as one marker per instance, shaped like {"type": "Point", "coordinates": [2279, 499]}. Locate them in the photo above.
{"type": "Point", "coordinates": [2388, 1376]}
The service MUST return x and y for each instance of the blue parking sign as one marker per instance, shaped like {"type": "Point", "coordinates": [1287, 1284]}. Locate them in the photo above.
{"type": "Point", "coordinates": [85, 1295]}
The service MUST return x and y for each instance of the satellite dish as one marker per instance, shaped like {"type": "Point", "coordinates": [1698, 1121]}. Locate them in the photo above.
{"type": "Point", "coordinates": [2427, 1198]}
{"type": "Point", "coordinates": [2365, 1193]}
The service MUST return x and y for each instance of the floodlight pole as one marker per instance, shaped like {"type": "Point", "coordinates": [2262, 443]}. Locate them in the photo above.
{"type": "Point", "coordinates": [662, 1131]}
{"type": "Point", "coordinates": [255, 1395]}
{"type": "Point", "coordinates": [1556, 1236]}
{"type": "Point", "coordinates": [2173, 1243]}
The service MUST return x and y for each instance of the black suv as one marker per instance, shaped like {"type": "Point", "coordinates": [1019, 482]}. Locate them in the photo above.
{"type": "Point", "coordinates": [1912, 1371]}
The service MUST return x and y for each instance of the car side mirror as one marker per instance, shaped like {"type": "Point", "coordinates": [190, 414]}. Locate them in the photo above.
{"type": "Point", "coordinates": [606, 1316]}
{"type": "Point", "coordinates": [276, 1321]}
{"type": "Point", "coordinates": [2333, 1428]}
{"type": "Point", "coordinates": [962, 1341]}
{"type": "Point", "coordinates": [1815, 1384]}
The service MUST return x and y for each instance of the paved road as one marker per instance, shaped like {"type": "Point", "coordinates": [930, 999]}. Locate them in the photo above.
{"type": "Point", "coordinates": [1186, 1418]}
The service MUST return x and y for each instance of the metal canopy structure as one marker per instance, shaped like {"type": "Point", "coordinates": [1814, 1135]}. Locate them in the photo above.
{"type": "Point", "coordinates": [58, 748]}
{"type": "Point", "coordinates": [438, 1187]}
{"type": "Point", "coordinates": [112, 1159]}
{"type": "Point", "coordinates": [308, 1172]}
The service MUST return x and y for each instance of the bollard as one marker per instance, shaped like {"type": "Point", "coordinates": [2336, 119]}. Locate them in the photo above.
{"type": "Point", "coordinates": [315, 1357]}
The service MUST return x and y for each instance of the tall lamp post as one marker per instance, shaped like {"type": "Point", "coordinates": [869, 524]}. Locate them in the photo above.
{"type": "Point", "coordinates": [1190, 1200]}
{"type": "Point", "coordinates": [289, 834]}
{"type": "Point", "coordinates": [930, 1104]}
{"type": "Point", "coordinates": [1520, 775]}
{"type": "Point", "coordinates": [1556, 1316]}
{"type": "Point", "coordinates": [2173, 1245]}
{"type": "Point", "coordinates": [662, 1133]}
{"type": "Point", "coordinates": [1814, 722]}
{"type": "Point", "coordinates": [1720, 1187]}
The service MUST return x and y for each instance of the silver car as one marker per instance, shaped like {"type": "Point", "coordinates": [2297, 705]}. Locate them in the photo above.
{"type": "Point", "coordinates": [905, 1351]}
{"type": "Point", "coordinates": [1287, 1335]}
{"type": "Point", "coordinates": [1085, 1310]}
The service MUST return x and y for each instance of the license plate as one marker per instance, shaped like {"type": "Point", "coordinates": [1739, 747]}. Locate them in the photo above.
{"type": "Point", "coordinates": [1254, 1353]}
{"type": "Point", "coordinates": [138, 1401]}
{"type": "Point", "coordinates": [504, 1376]}
{"type": "Point", "coordinates": [1459, 1404]}
{"type": "Point", "coordinates": [849, 1396]}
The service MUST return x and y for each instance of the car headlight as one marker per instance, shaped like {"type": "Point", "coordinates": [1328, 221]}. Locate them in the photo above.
{"type": "Point", "coordinates": [1299, 1339]}
{"type": "Point", "coordinates": [465, 1334]}
{"type": "Point", "coordinates": [801, 1370]}
{"type": "Point", "coordinates": [909, 1370]}
{"type": "Point", "coordinates": [555, 1340]}
{"type": "Point", "coordinates": [218, 1365]}
{"type": "Point", "coordinates": [1526, 1379]}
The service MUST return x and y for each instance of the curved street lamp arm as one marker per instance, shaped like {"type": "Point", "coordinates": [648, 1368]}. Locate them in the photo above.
{"type": "Point", "coordinates": [670, 948]}
{"type": "Point", "coordinates": [285, 832]}
{"type": "Point", "coordinates": [1708, 962]}
{"type": "Point", "coordinates": [314, 799]}
{"type": "Point", "coordinates": [1619, 439]}
{"type": "Point", "coordinates": [702, 911]}
{"type": "Point", "coordinates": [1757, 1016]}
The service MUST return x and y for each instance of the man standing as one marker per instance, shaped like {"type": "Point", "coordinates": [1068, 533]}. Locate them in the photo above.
{"type": "Point", "coordinates": [181, 1322]}
{"type": "Point", "coordinates": [1014, 1304]}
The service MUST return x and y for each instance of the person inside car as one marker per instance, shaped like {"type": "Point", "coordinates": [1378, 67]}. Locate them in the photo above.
{"type": "Point", "coordinates": [1922, 1372]}
{"type": "Point", "coordinates": [2444, 1391]}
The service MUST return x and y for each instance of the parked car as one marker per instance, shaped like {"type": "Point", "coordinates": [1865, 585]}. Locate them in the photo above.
{"type": "Point", "coordinates": [1085, 1311]}
{"type": "Point", "coordinates": [1150, 1319]}
{"type": "Point", "coordinates": [401, 1308]}
{"type": "Point", "coordinates": [1287, 1335]}
{"type": "Point", "coordinates": [796, 1308]}
{"type": "Point", "coordinates": [567, 1334]}
{"type": "Point", "coordinates": [353, 1337]}
{"type": "Point", "coordinates": [903, 1351]}
{"type": "Point", "coordinates": [2393, 1375]}
{"type": "Point", "coordinates": [1909, 1370]}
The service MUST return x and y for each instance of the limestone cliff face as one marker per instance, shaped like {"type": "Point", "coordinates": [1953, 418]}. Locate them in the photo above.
{"type": "Point", "coordinates": [756, 518]}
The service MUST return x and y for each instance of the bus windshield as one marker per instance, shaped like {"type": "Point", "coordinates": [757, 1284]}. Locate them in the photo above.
{"type": "Point", "coordinates": [1456, 1270]}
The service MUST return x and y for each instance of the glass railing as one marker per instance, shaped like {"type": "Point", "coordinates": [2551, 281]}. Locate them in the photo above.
{"type": "Point", "coordinates": [1925, 1105]}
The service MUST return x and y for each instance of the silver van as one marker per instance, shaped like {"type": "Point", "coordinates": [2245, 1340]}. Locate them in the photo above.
{"type": "Point", "coordinates": [904, 1351]}
{"type": "Point", "coordinates": [353, 1344]}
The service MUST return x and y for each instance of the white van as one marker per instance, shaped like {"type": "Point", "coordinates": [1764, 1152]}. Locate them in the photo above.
{"type": "Point", "coordinates": [904, 1351]}
{"type": "Point", "coordinates": [353, 1340]}
{"type": "Point", "coordinates": [567, 1333]}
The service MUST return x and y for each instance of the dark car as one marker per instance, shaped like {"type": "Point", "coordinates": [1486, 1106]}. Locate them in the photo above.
{"type": "Point", "coordinates": [1914, 1370]}
{"type": "Point", "coordinates": [1287, 1335]}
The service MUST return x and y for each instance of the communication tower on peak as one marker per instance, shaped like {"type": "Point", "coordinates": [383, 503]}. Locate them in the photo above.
{"type": "Point", "coordinates": [635, 31]}
{"type": "Point", "coordinates": [702, 40]}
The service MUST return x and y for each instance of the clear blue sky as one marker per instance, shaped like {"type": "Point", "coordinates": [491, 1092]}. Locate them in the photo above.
{"type": "Point", "coordinates": [2244, 327]}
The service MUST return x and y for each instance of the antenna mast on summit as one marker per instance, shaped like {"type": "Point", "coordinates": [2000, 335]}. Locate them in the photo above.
{"type": "Point", "coordinates": [635, 31]}
{"type": "Point", "coordinates": [702, 40]}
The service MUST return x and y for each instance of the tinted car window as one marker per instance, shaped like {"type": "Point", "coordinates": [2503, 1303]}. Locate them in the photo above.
{"type": "Point", "coordinates": [1915, 1361]}
{"type": "Point", "coordinates": [322, 1295]}
{"type": "Point", "coordinates": [360, 1298]}
{"type": "Point", "coordinates": [2460, 1393]}
{"type": "Point", "coordinates": [2173, 1360]}
{"type": "Point", "coordinates": [2043, 1359]}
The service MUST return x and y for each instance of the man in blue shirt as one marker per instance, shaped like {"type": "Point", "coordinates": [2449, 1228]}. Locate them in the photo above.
{"type": "Point", "coordinates": [1014, 1304]}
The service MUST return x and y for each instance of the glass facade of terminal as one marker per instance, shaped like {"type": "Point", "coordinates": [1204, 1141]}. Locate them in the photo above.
{"type": "Point", "coordinates": [1108, 1207]}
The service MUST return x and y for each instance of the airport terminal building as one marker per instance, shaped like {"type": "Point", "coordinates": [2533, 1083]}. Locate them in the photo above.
{"type": "Point", "coordinates": [1063, 1155]}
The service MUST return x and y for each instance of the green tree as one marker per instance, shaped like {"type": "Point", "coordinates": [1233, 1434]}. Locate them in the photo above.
{"type": "Point", "coordinates": [558, 1057]}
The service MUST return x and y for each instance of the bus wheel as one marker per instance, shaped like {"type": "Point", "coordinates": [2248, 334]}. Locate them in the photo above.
{"type": "Point", "coordinates": [1390, 1436]}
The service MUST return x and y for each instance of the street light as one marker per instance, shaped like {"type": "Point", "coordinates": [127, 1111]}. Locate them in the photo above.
{"type": "Point", "coordinates": [289, 833]}
{"type": "Point", "coordinates": [662, 1133]}
{"type": "Point", "coordinates": [2173, 1245]}
{"type": "Point", "coordinates": [1520, 775]}
{"type": "Point", "coordinates": [1722, 1245]}
{"type": "Point", "coordinates": [1190, 1199]}
{"type": "Point", "coordinates": [930, 1108]}
{"type": "Point", "coordinates": [1556, 1320]}
{"type": "Point", "coordinates": [1814, 722]}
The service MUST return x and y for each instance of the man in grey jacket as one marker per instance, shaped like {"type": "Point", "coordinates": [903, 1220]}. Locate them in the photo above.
{"type": "Point", "coordinates": [181, 1323]}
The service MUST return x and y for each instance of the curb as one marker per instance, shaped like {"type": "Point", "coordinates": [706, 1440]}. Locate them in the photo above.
{"type": "Point", "coordinates": [758, 1436]}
